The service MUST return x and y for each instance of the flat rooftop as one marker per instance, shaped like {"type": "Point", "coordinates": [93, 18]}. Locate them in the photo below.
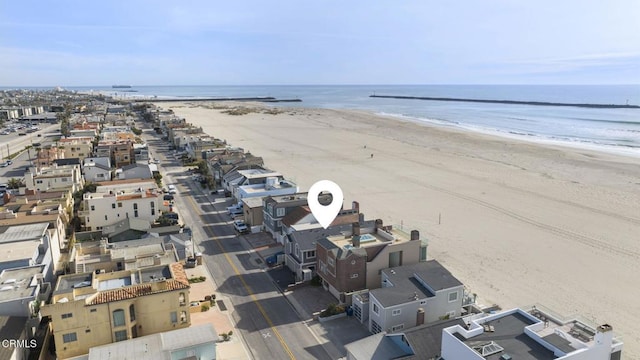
{"type": "Point", "coordinates": [16, 233]}
{"type": "Point", "coordinates": [509, 336]}
{"type": "Point", "coordinates": [17, 251]}
{"type": "Point", "coordinates": [380, 237]}
{"type": "Point", "coordinates": [257, 188]}
{"type": "Point", "coordinates": [118, 285]}
{"type": "Point", "coordinates": [288, 198]}
{"type": "Point", "coordinates": [258, 173]}
{"type": "Point", "coordinates": [19, 283]}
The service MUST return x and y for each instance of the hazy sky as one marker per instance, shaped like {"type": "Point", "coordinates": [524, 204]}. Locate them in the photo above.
{"type": "Point", "coordinates": [159, 42]}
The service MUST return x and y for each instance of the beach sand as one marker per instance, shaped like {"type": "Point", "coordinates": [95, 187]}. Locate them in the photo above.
{"type": "Point", "coordinates": [518, 223]}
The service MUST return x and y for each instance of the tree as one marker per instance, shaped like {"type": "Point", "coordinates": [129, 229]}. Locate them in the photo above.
{"type": "Point", "coordinates": [14, 183]}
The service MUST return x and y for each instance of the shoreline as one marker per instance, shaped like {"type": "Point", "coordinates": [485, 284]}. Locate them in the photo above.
{"type": "Point", "coordinates": [626, 151]}
{"type": "Point", "coordinates": [522, 222]}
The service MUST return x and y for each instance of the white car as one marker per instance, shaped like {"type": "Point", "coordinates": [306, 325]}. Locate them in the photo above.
{"type": "Point", "coordinates": [172, 189]}
{"type": "Point", "coordinates": [240, 226]}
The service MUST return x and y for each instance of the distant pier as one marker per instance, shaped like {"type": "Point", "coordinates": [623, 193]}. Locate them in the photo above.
{"type": "Point", "coordinates": [258, 99]}
{"type": "Point", "coordinates": [511, 102]}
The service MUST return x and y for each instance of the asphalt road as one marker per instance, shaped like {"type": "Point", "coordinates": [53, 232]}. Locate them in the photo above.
{"type": "Point", "coordinates": [268, 323]}
{"type": "Point", "coordinates": [13, 143]}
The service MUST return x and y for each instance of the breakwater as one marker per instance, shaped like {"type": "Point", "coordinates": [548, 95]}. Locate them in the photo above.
{"type": "Point", "coordinates": [512, 102]}
{"type": "Point", "coordinates": [258, 99]}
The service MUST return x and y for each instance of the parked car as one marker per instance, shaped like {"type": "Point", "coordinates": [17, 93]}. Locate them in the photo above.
{"type": "Point", "coordinates": [236, 213]}
{"type": "Point", "coordinates": [240, 226]}
{"type": "Point", "coordinates": [168, 197]}
{"type": "Point", "coordinates": [6, 163]}
{"type": "Point", "coordinates": [273, 259]}
{"type": "Point", "coordinates": [234, 207]}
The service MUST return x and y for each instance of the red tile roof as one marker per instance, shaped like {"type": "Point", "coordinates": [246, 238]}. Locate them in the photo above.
{"type": "Point", "coordinates": [134, 291]}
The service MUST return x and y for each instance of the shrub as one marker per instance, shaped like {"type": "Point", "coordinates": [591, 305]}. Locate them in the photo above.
{"type": "Point", "coordinates": [204, 308]}
{"type": "Point", "coordinates": [197, 279]}
{"type": "Point", "coordinates": [332, 309]}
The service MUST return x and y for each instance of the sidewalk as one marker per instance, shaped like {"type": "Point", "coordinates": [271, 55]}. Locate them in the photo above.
{"type": "Point", "coordinates": [234, 349]}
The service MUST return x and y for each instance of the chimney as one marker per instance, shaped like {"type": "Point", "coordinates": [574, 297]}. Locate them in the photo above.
{"type": "Point", "coordinates": [415, 235]}
{"type": "Point", "coordinates": [355, 229]}
{"type": "Point", "coordinates": [378, 223]}
{"type": "Point", "coordinates": [604, 336]}
{"type": "Point", "coordinates": [355, 205]}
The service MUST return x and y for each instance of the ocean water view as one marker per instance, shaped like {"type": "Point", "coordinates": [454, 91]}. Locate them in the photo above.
{"type": "Point", "coordinates": [606, 129]}
{"type": "Point", "coordinates": [615, 130]}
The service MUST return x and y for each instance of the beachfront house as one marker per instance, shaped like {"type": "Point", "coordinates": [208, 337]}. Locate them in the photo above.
{"type": "Point", "coordinates": [275, 208]}
{"type": "Point", "coordinates": [301, 240]}
{"type": "Point", "coordinates": [535, 333]}
{"type": "Point", "coordinates": [353, 262]}
{"type": "Point", "coordinates": [412, 295]}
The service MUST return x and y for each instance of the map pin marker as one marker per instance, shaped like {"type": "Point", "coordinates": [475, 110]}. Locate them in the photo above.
{"type": "Point", "coordinates": [325, 214]}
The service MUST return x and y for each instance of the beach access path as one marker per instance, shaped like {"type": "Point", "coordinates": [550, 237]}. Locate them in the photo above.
{"type": "Point", "coordinates": [518, 222]}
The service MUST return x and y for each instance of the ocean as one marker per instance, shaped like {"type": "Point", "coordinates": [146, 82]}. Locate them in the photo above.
{"type": "Point", "coordinates": [611, 130]}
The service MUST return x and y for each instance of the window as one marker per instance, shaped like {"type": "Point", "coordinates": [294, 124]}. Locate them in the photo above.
{"type": "Point", "coordinates": [330, 261]}
{"type": "Point", "coordinates": [106, 217]}
{"type": "Point", "coordinates": [396, 312]}
{"type": "Point", "coordinates": [119, 204]}
{"type": "Point", "coordinates": [93, 208]}
{"type": "Point", "coordinates": [118, 317]}
{"type": "Point", "coordinates": [121, 335]}
{"type": "Point", "coordinates": [183, 316]}
{"type": "Point", "coordinates": [88, 331]}
{"type": "Point", "coordinates": [135, 213]}
{"type": "Point", "coordinates": [181, 299]}
{"type": "Point", "coordinates": [311, 254]}
{"type": "Point", "coordinates": [94, 310]}
{"type": "Point", "coordinates": [397, 327]}
{"type": "Point", "coordinates": [453, 296]}
{"type": "Point", "coordinates": [132, 313]}
{"type": "Point", "coordinates": [153, 211]}
{"type": "Point", "coordinates": [38, 181]}
{"type": "Point", "coordinates": [174, 317]}
{"type": "Point", "coordinates": [280, 212]}
{"type": "Point", "coordinates": [113, 206]}
{"type": "Point", "coordinates": [135, 206]}
{"type": "Point", "coordinates": [423, 253]}
{"type": "Point", "coordinates": [67, 338]}
{"type": "Point", "coordinates": [66, 316]}
{"type": "Point", "coordinates": [376, 309]}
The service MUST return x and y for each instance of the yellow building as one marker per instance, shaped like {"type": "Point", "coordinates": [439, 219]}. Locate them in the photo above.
{"type": "Point", "coordinates": [92, 309]}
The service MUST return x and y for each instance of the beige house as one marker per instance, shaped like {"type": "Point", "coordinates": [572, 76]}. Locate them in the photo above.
{"type": "Point", "coordinates": [92, 309]}
{"type": "Point", "coordinates": [76, 147]}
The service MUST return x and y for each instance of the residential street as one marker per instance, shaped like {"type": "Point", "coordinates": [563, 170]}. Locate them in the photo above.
{"type": "Point", "coordinates": [266, 320]}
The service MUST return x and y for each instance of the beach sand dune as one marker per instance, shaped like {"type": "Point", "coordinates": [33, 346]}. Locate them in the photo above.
{"type": "Point", "coordinates": [519, 223]}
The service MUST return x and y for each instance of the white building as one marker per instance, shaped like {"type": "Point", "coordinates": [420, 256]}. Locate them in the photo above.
{"type": "Point", "coordinates": [410, 296]}
{"type": "Point", "coordinates": [273, 186]}
{"type": "Point", "coordinates": [196, 342]}
{"type": "Point", "coordinates": [64, 177]}
{"type": "Point", "coordinates": [96, 172]}
{"type": "Point", "coordinates": [105, 208]}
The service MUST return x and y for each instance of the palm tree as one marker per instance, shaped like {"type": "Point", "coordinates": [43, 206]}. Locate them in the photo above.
{"type": "Point", "coordinates": [14, 183]}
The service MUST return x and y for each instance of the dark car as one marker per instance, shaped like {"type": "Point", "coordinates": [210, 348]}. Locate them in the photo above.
{"type": "Point", "coordinates": [168, 197]}
{"type": "Point", "coordinates": [273, 259]}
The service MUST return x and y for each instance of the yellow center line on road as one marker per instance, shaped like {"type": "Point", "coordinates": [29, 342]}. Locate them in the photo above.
{"type": "Point", "coordinates": [248, 289]}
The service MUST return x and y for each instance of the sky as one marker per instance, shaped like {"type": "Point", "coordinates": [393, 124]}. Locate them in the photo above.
{"type": "Point", "coordinates": [87, 43]}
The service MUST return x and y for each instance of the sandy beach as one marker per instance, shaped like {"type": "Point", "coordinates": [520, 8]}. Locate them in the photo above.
{"type": "Point", "coordinates": [518, 223]}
